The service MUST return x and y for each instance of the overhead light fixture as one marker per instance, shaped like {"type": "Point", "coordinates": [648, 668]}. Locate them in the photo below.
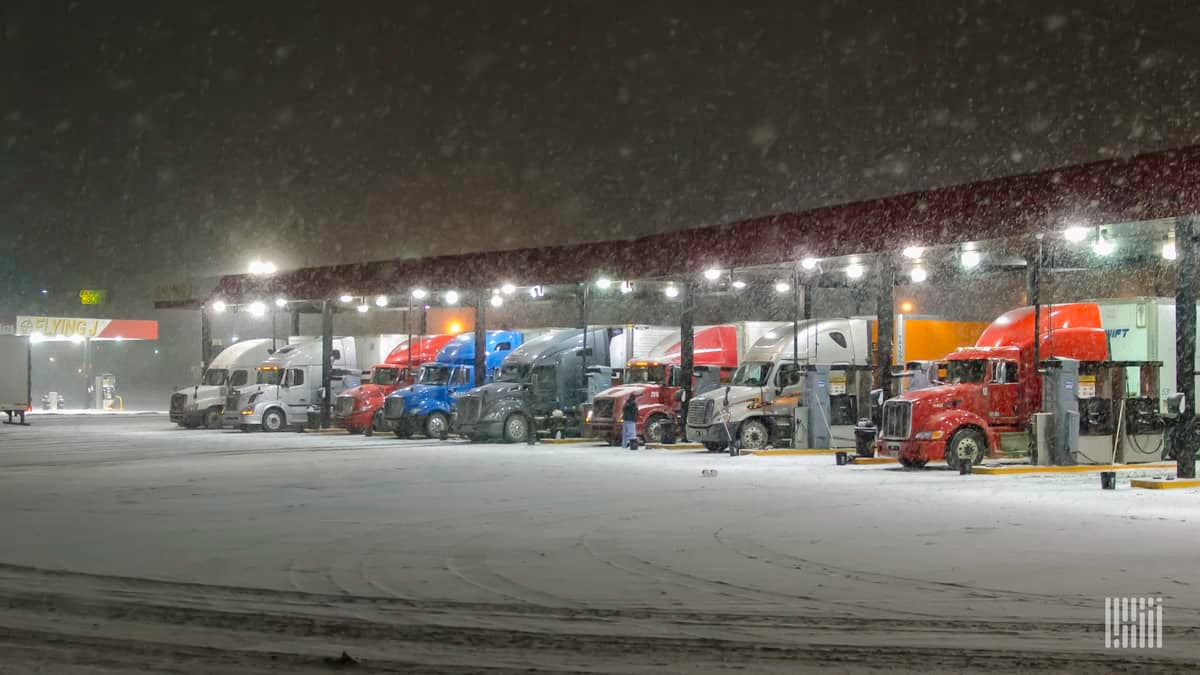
{"type": "Point", "coordinates": [603, 283]}
{"type": "Point", "coordinates": [855, 271]}
{"type": "Point", "coordinates": [671, 291]}
{"type": "Point", "coordinates": [346, 297]}
{"type": "Point", "coordinates": [536, 291]}
{"type": "Point", "coordinates": [970, 259]}
{"type": "Point", "coordinates": [362, 308]}
{"type": "Point", "coordinates": [1168, 250]}
{"type": "Point", "coordinates": [219, 306]}
{"type": "Point", "coordinates": [1075, 234]}
{"type": "Point", "coordinates": [918, 274]}
{"type": "Point", "coordinates": [257, 308]}
{"type": "Point", "coordinates": [451, 297]}
{"type": "Point", "coordinates": [419, 293]}
{"type": "Point", "coordinates": [809, 263]}
{"type": "Point", "coordinates": [913, 252]}
{"type": "Point", "coordinates": [508, 289]}
{"type": "Point", "coordinates": [906, 307]}
{"type": "Point", "coordinates": [712, 274]}
{"type": "Point", "coordinates": [281, 302]}
{"type": "Point", "coordinates": [1103, 246]}
{"type": "Point", "coordinates": [626, 287]}
{"type": "Point", "coordinates": [781, 287]}
{"type": "Point", "coordinates": [497, 300]}
{"type": "Point", "coordinates": [381, 301]}
{"type": "Point", "coordinates": [738, 284]}
{"type": "Point", "coordinates": [45, 291]}
{"type": "Point", "coordinates": [76, 339]}
{"type": "Point", "coordinates": [262, 267]}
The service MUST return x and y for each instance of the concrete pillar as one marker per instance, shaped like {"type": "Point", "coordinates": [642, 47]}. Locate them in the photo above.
{"type": "Point", "coordinates": [1033, 293]}
{"type": "Point", "coordinates": [206, 346]}
{"type": "Point", "coordinates": [810, 287]}
{"type": "Point", "coordinates": [295, 329]}
{"type": "Point", "coordinates": [481, 299]}
{"type": "Point", "coordinates": [1187, 247]}
{"type": "Point", "coordinates": [326, 359]}
{"type": "Point", "coordinates": [886, 312]}
{"type": "Point", "coordinates": [687, 334]}
{"type": "Point", "coordinates": [581, 298]}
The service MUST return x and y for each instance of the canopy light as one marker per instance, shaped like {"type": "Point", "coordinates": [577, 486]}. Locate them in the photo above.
{"type": "Point", "coordinates": [451, 297]}
{"type": "Point", "coordinates": [809, 263]}
{"type": "Point", "coordinates": [346, 297]}
{"type": "Point", "coordinates": [257, 308]}
{"type": "Point", "coordinates": [913, 252]}
{"type": "Point", "coordinates": [497, 300]}
{"type": "Point", "coordinates": [281, 302]}
{"type": "Point", "coordinates": [671, 291]}
{"type": "Point", "coordinates": [781, 287]}
{"type": "Point", "coordinates": [76, 339]}
{"type": "Point", "coordinates": [1075, 234]}
{"type": "Point", "coordinates": [712, 274]}
{"type": "Point", "coordinates": [970, 259]}
{"type": "Point", "coordinates": [362, 309]}
{"type": "Point", "coordinates": [381, 301]}
{"type": "Point", "coordinates": [262, 267]}
{"type": "Point", "coordinates": [420, 293]}
{"type": "Point", "coordinates": [508, 289]}
{"type": "Point", "coordinates": [219, 306]}
{"type": "Point", "coordinates": [855, 271]}
{"type": "Point", "coordinates": [626, 287]}
{"type": "Point", "coordinates": [603, 283]}
{"type": "Point", "coordinates": [918, 274]}
{"type": "Point", "coordinates": [906, 307]}
{"type": "Point", "coordinates": [1168, 250]}
{"type": "Point", "coordinates": [738, 284]}
{"type": "Point", "coordinates": [1103, 246]}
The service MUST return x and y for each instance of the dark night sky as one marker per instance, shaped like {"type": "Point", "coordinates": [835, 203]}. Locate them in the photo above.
{"type": "Point", "coordinates": [143, 141]}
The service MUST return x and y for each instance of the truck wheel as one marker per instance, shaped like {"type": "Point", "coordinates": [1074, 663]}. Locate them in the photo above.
{"type": "Point", "coordinates": [912, 463]}
{"type": "Point", "coordinates": [516, 428]}
{"type": "Point", "coordinates": [966, 444]}
{"type": "Point", "coordinates": [402, 431]}
{"type": "Point", "coordinates": [212, 419]}
{"type": "Point", "coordinates": [655, 427]}
{"type": "Point", "coordinates": [753, 435]}
{"type": "Point", "coordinates": [273, 420]}
{"type": "Point", "coordinates": [714, 447]}
{"type": "Point", "coordinates": [436, 425]}
{"type": "Point", "coordinates": [377, 423]}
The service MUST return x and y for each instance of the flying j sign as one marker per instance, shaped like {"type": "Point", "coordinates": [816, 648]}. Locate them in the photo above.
{"type": "Point", "coordinates": [102, 329]}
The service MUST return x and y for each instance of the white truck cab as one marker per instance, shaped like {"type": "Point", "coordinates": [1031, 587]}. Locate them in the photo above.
{"type": "Point", "coordinates": [286, 384]}
{"type": "Point", "coordinates": [744, 409]}
{"type": "Point", "coordinates": [200, 404]}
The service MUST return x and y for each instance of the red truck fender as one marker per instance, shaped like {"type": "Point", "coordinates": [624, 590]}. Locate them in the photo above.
{"type": "Point", "coordinates": [949, 421]}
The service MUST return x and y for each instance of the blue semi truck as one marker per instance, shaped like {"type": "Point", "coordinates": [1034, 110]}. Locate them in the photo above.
{"type": "Point", "coordinates": [426, 407]}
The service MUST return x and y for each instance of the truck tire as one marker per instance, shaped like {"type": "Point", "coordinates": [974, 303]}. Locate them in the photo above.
{"type": "Point", "coordinates": [402, 431]}
{"type": "Point", "coordinates": [654, 428]}
{"type": "Point", "coordinates": [714, 447]}
{"type": "Point", "coordinates": [436, 424]}
{"type": "Point", "coordinates": [967, 441]}
{"type": "Point", "coordinates": [273, 420]}
{"type": "Point", "coordinates": [516, 428]}
{"type": "Point", "coordinates": [212, 419]}
{"type": "Point", "coordinates": [753, 435]}
{"type": "Point", "coordinates": [912, 463]}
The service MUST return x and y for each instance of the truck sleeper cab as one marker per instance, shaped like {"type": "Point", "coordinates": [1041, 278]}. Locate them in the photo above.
{"type": "Point", "coordinates": [203, 403]}
{"type": "Point", "coordinates": [286, 384]}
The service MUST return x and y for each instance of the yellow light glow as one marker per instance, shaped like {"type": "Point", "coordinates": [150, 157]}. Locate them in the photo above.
{"type": "Point", "coordinates": [454, 328]}
{"type": "Point", "coordinates": [906, 307]}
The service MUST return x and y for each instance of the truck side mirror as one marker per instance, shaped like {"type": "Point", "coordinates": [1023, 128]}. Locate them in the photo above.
{"type": "Point", "coordinates": [336, 355]}
{"type": "Point", "coordinates": [679, 395]}
{"type": "Point", "coordinates": [1176, 405]}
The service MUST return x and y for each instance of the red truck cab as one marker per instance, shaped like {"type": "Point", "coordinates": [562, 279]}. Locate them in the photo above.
{"type": "Point", "coordinates": [990, 390]}
{"type": "Point", "coordinates": [355, 409]}
{"type": "Point", "coordinates": [657, 381]}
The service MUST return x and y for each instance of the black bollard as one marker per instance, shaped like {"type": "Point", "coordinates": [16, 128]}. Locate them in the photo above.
{"type": "Point", "coordinates": [1108, 480]}
{"type": "Point", "coordinates": [842, 458]}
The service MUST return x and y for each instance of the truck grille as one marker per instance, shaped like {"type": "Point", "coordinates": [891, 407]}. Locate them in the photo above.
{"type": "Point", "coordinates": [897, 419]}
{"type": "Point", "coordinates": [468, 408]}
{"type": "Point", "coordinates": [602, 408]}
{"type": "Point", "coordinates": [393, 407]}
{"type": "Point", "coordinates": [699, 411]}
{"type": "Point", "coordinates": [177, 402]}
{"type": "Point", "coordinates": [233, 401]}
{"type": "Point", "coordinates": [344, 406]}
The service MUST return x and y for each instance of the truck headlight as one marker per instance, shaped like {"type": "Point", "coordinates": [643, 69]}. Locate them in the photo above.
{"type": "Point", "coordinates": [929, 435]}
{"type": "Point", "coordinates": [247, 411]}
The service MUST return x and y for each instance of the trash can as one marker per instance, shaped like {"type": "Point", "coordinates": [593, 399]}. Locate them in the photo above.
{"type": "Point", "coordinates": [864, 437]}
{"type": "Point", "coordinates": [314, 417]}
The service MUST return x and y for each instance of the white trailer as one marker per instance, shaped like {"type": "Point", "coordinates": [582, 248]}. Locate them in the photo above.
{"type": "Point", "coordinates": [15, 374]}
{"type": "Point", "coordinates": [1143, 329]}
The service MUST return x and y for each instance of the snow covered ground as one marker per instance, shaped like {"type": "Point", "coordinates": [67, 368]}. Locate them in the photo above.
{"type": "Point", "coordinates": [128, 544]}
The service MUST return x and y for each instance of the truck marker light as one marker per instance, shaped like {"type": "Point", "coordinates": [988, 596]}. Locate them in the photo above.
{"type": "Point", "coordinates": [248, 411]}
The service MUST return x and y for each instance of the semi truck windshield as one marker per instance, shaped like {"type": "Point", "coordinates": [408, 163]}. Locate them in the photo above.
{"type": "Point", "coordinates": [645, 375]}
{"type": "Point", "coordinates": [269, 376]}
{"type": "Point", "coordinates": [514, 372]}
{"type": "Point", "coordinates": [753, 374]}
{"type": "Point", "coordinates": [971, 370]}
{"type": "Point", "coordinates": [434, 375]}
{"type": "Point", "coordinates": [215, 377]}
{"type": "Point", "coordinates": [384, 376]}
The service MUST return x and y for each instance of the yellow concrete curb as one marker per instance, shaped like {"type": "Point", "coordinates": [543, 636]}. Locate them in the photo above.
{"type": "Point", "coordinates": [1082, 468]}
{"type": "Point", "coordinates": [675, 446]}
{"type": "Point", "coordinates": [789, 451]}
{"type": "Point", "coordinates": [566, 441]}
{"type": "Point", "coordinates": [874, 460]}
{"type": "Point", "coordinates": [330, 430]}
{"type": "Point", "coordinates": [1165, 484]}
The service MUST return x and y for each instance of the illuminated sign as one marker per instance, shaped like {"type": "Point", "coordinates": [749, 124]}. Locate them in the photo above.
{"type": "Point", "coordinates": [93, 296]}
{"type": "Point", "coordinates": [64, 327]}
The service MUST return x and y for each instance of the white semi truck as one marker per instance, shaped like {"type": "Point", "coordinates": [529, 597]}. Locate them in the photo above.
{"type": "Point", "coordinates": [201, 404]}
{"type": "Point", "coordinates": [15, 383]}
{"type": "Point", "coordinates": [286, 384]}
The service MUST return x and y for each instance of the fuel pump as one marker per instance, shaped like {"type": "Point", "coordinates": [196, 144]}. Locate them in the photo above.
{"type": "Point", "coordinates": [828, 410]}
{"type": "Point", "coordinates": [106, 391]}
{"type": "Point", "coordinates": [1056, 429]}
{"type": "Point", "coordinates": [1143, 428]}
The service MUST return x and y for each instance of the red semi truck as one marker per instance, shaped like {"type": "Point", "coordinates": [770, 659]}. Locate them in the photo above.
{"type": "Point", "coordinates": [355, 409]}
{"type": "Point", "coordinates": [657, 380]}
{"type": "Point", "coordinates": [991, 390]}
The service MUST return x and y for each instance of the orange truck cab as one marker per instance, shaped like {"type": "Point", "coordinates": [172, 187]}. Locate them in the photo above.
{"type": "Point", "coordinates": [657, 381]}
{"type": "Point", "coordinates": [990, 392]}
{"type": "Point", "coordinates": [355, 409]}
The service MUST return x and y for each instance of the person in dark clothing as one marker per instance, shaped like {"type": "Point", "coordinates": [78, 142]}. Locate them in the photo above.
{"type": "Point", "coordinates": [629, 413]}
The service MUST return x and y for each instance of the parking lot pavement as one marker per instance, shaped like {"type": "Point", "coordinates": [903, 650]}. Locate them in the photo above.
{"type": "Point", "coordinates": [781, 550]}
